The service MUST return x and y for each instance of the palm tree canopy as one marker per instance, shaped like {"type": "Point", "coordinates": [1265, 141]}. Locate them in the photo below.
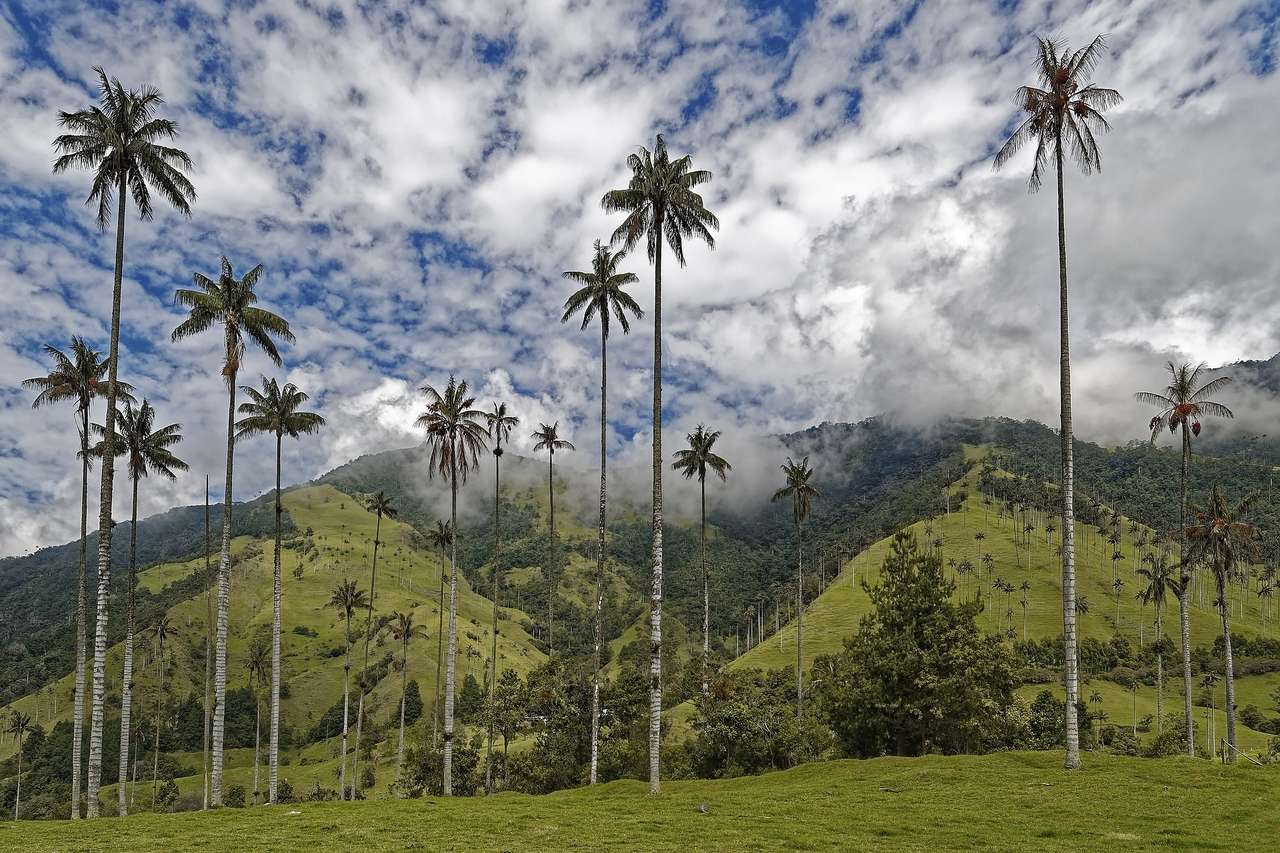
{"type": "Point", "coordinates": [380, 504]}
{"type": "Point", "coordinates": [1185, 400]}
{"type": "Point", "coordinates": [348, 598]}
{"type": "Point", "coordinates": [229, 301]}
{"type": "Point", "coordinates": [660, 203]}
{"type": "Point", "coordinates": [19, 723]}
{"type": "Point", "coordinates": [163, 629]}
{"type": "Point", "coordinates": [499, 424]}
{"type": "Point", "coordinates": [274, 411]}
{"type": "Point", "coordinates": [798, 487]}
{"type": "Point", "coordinates": [548, 438]}
{"type": "Point", "coordinates": [1221, 537]}
{"type": "Point", "coordinates": [77, 377]}
{"type": "Point", "coordinates": [122, 141]}
{"type": "Point", "coordinates": [601, 292]}
{"type": "Point", "coordinates": [454, 430]}
{"type": "Point", "coordinates": [258, 661]}
{"type": "Point", "coordinates": [1160, 579]}
{"type": "Point", "coordinates": [403, 630]}
{"type": "Point", "coordinates": [1063, 114]}
{"type": "Point", "coordinates": [441, 536]}
{"type": "Point", "coordinates": [146, 445]}
{"type": "Point", "coordinates": [700, 456]}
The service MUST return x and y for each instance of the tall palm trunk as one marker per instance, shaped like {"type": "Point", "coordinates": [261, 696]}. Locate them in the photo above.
{"type": "Point", "coordinates": [273, 759]}
{"type": "Point", "coordinates": [437, 712]}
{"type": "Point", "coordinates": [404, 687]}
{"type": "Point", "coordinates": [104, 523]}
{"type": "Point", "coordinates": [493, 636]}
{"type": "Point", "coordinates": [77, 719]}
{"type": "Point", "coordinates": [224, 594]}
{"type": "Point", "coordinates": [208, 648]}
{"type": "Point", "coordinates": [799, 620]}
{"type": "Point", "coordinates": [257, 736]}
{"type": "Point", "coordinates": [553, 553]}
{"type": "Point", "coordinates": [1159, 674]}
{"type": "Point", "coordinates": [364, 668]}
{"type": "Point", "coordinates": [346, 702]}
{"type": "Point", "coordinates": [599, 603]}
{"type": "Point", "coordinates": [706, 593]}
{"type": "Point", "coordinates": [155, 758]}
{"type": "Point", "coordinates": [450, 664]}
{"type": "Point", "coordinates": [1229, 755]}
{"type": "Point", "coordinates": [655, 592]}
{"type": "Point", "coordinates": [1184, 592]}
{"type": "Point", "coordinates": [17, 797]}
{"type": "Point", "coordinates": [126, 681]}
{"type": "Point", "coordinates": [1068, 491]}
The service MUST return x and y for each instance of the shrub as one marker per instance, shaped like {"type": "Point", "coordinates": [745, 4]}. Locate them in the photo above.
{"type": "Point", "coordinates": [166, 796]}
{"type": "Point", "coordinates": [284, 792]}
{"type": "Point", "coordinates": [235, 797]}
{"type": "Point", "coordinates": [304, 631]}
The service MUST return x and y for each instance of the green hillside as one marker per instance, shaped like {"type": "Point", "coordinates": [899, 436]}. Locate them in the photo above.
{"type": "Point", "coordinates": [1008, 801]}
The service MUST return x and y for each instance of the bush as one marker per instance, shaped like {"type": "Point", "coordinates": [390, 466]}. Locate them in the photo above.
{"type": "Point", "coordinates": [1172, 739]}
{"type": "Point", "coordinates": [235, 797]}
{"type": "Point", "coordinates": [166, 796]}
{"type": "Point", "coordinates": [367, 779]}
{"type": "Point", "coordinates": [1119, 739]}
{"type": "Point", "coordinates": [304, 631]}
{"type": "Point", "coordinates": [284, 792]}
{"type": "Point", "coordinates": [321, 795]}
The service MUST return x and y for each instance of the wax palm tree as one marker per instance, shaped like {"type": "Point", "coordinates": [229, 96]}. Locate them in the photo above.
{"type": "Point", "coordinates": [498, 423]}
{"type": "Point", "coordinates": [122, 141]}
{"type": "Point", "coordinates": [802, 493]}
{"type": "Point", "coordinates": [548, 438]}
{"type": "Point", "coordinates": [228, 302]}
{"type": "Point", "coordinates": [404, 631]}
{"type": "Point", "coordinates": [148, 450]}
{"type": "Point", "coordinates": [1159, 579]}
{"type": "Point", "coordinates": [347, 598]}
{"type": "Point", "coordinates": [274, 411]}
{"type": "Point", "coordinates": [77, 378]}
{"type": "Point", "coordinates": [695, 461]}
{"type": "Point", "coordinates": [1062, 117]}
{"type": "Point", "coordinates": [160, 633]}
{"type": "Point", "coordinates": [1184, 402]}
{"type": "Point", "coordinates": [601, 295]}
{"type": "Point", "coordinates": [19, 725]}
{"type": "Point", "coordinates": [456, 437]}
{"type": "Point", "coordinates": [257, 661]}
{"type": "Point", "coordinates": [1221, 537]}
{"type": "Point", "coordinates": [381, 506]}
{"type": "Point", "coordinates": [441, 536]}
{"type": "Point", "coordinates": [661, 205]}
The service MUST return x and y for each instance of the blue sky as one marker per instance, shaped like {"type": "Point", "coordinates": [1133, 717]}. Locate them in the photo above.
{"type": "Point", "coordinates": [414, 179]}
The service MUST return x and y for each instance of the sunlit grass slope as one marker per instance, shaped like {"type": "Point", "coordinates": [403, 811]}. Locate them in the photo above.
{"type": "Point", "coordinates": [1011, 801]}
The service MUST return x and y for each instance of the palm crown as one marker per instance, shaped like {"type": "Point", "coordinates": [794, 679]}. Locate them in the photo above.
{"type": "Point", "coordinates": [548, 438]}
{"type": "Point", "coordinates": [699, 457]}
{"type": "Point", "coordinates": [403, 630]}
{"type": "Point", "coordinates": [230, 302]}
{"type": "Point", "coordinates": [122, 142]}
{"type": "Point", "coordinates": [660, 202]}
{"type": "Point", "coordinates": [1221, 536]}
{"type": "Point", "coordinates": [441, 536]}
{"type": "Point", "coordinates": [601, 292]}
{"type": "Point", "coordinates": [1064, 114]}
{"type": "Point", "coordinates": [454, 431]}
{"type": "Point", "coordinates": [274, 411]}
{"type": "Point", "coordinates": [499, 425]}
{"type": "Point", "coordinates": [380, 504]}
{"type": "Point", "coordinates": [146, 446]}
{"type": "Point", "coordinates": [798, 488]}
{"type": "Point", "coordinates": [348, 598]}
{"type": "Point", "coordinates": [78, 377]}
{"type": "Point", "coordinates": [1182, 403]}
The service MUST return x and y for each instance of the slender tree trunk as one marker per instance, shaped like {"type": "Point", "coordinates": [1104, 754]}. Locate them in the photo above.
{"type": "Point", "coordinates": [273, 757]}
{"type": "Point", "coordinates": [364, 669]}
{"type": "Point", "coordinates": [77, 719]}
{"type": "Point", "coordinates": [155, 759]}
{"type": "Point", "coordinates": [451, 663]}
{"type": "Point", "coordinates": [1184, 605]}
{"type": "Point", "coordinates": [346, 703]}
{"type": "Point", "coordinates": [17, 797]}
{"type": "Point", "coordinates": [799, 620]}
{"type": "Point", "coordinates": [208, 649]}
{"type": "Point", "coordinates": [224, 596]}
{"type": "Point", "coordinates": [257, 736]}
{"type": "Point", "coordinates": [552, 554]}
{"type": "Point", "coordinates": [104, 523]}
{"type": "Point", "coordinates": [655, 594]}
{"type": "Point", "coordinates": [1068, 492]}
{"type": "Point", "coordinates": [437, 712]}
{"type": "Point", "coordinates": [493, 636]}
{"type": "Point", "coordinates": [706, 592]}
{"type": "Point", "coordinates": [1229, 755]}
{"type": "Point", "coordinates": [599, 603]}
{"type": "Point", "coordinates": [126, 681]}
{"type": "Point", "coordinates": [1159, 676]}
{"type": "Point", "coordinates": [404, 687]}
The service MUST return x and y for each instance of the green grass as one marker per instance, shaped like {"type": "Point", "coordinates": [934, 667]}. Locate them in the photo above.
{"type": "Point", "coordinates": [1012, 801]}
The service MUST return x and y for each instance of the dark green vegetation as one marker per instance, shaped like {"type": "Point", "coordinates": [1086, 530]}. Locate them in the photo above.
{"type": "Point", "coordinates": [1015, 801]}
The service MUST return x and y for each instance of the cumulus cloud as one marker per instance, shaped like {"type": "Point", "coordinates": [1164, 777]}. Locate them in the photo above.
{"type": "Point", "coordinates": [415, 178]}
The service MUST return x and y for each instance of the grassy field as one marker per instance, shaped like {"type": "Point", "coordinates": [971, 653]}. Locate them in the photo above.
{"type": "Point", "coordinates": [1013, 801]}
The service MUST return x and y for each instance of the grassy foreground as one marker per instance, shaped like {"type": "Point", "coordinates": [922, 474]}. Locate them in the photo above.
{"type": "Point", "coordinates": [1009, 801]}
